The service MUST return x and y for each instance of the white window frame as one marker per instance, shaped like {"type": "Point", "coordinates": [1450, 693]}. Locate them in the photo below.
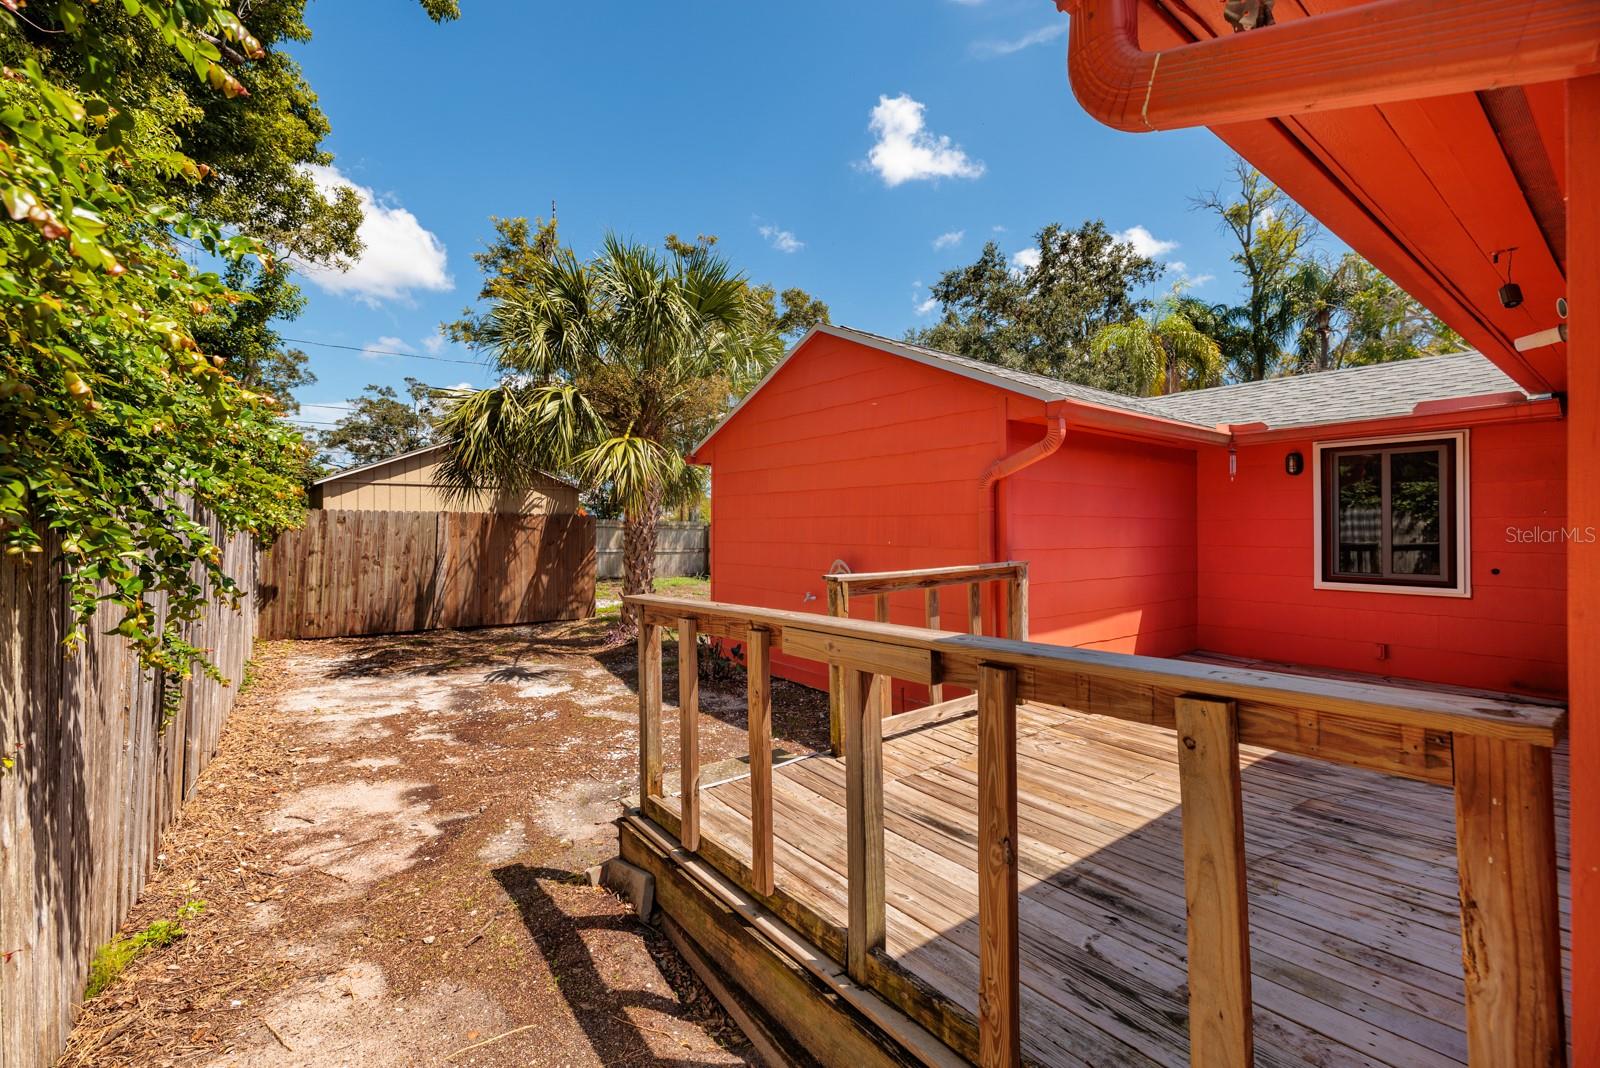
{"type": "Point", "coordinates": [1462, 546]}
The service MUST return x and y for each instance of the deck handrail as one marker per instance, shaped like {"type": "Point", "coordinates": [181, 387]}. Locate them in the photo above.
{"type": "Point", "coordinates": [1495, 752]}
{"type": "Point", "coordinates": [1010, 575]}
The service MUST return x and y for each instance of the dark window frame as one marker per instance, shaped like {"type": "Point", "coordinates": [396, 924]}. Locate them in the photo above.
{"type": "Point", "coordinates": [1449, 518]}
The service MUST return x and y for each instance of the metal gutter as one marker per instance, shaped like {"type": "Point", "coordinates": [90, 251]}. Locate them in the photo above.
{"type": "Point", "coordinates": [1373, 53]}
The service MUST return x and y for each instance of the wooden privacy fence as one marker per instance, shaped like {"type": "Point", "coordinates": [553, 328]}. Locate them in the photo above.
{"type": "Point", "coordinates": [352, 572]}
{"type": "Point", "coordinates": [681, 548]}
{"type": "Point", "coordinates": [98, 777]}
{"type": "Point", "coordinates": [1495, 753]}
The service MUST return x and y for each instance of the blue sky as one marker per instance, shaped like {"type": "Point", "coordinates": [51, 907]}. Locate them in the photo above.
{"type": "Point", "coordinates": [828, 146]}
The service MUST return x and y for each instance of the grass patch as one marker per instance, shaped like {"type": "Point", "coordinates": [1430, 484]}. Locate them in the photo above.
{"type": "Point", "coordinates": [113, 958]}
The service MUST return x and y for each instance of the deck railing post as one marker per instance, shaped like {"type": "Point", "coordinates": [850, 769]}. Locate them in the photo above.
{"type": "Point", "coordinates": [758, 691]}
{"type": "Point", "coordinates": [649, 711]}
{"type": "Point", "coordinates": [864, 872]}
{"type": "Point", "coordinates": [1510, 911]}
{"type": "Point", "coordinates": [1017, 604]}
{"type": "Point", "coordinates": [999, 1021]}
{"type": "Point", "coordinates": [974, 608]}
{"type": "Point", "coordinates": [839, 606]}
{"type": "Point", "coordinates": [882, 685]}
{"type": "Point", "coordinates": [689, 732]}
{"type": "Point", "coordinates": [1220, 1029]}
{"type": "Point", "coordinates": [930, 617]}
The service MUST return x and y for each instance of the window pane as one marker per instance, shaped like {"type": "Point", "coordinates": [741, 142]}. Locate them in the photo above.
{"type": "Point", "coordinates": [1359, 508]}
{"type": "Point", "coordinates": [1415, 522]}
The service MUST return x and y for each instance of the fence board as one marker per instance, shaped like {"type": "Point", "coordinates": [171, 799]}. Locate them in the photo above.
{"type": "Point", "coordinates": [349, 573]}
{"type": "Point", "coordinates": [681, 548]}
{"type": "Point", "coordinates": [98, 778]}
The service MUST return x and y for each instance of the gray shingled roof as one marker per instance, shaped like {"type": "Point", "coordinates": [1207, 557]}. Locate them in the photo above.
{"type": "Point", "coordinates": [1028, 382]}
{"type": "Point", "coordinates": [1379, 391]}
{"type": "Point", "coordinates": [1357, 393]}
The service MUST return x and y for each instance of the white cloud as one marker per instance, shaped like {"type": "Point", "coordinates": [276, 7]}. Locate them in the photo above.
{"type": "Point", "coordinates": [384, 346]}
{"type": "Point", "coordinates": [399, 254]}
{"type": "Point", "coordinates": [924, 305]}
{"type": "Point", "coordinates": [1178, 265]}
{"type": "Point", "coordinates": [1195, 281]}
{"type": "Point", "coordinates": [782, 240]}
{"type": "Point", "coordinates": [1025, 260]}
{"type": "Point", "coordinates": [906, 152]}
{"type": "Point", "coordinates": [995, 49]}
{"type": "Point", "coordinates": [949, 239]}
{"type": "Point", "coordinates": [433, 344]}
{"type": "Point", "coordinates": [1144, 242]}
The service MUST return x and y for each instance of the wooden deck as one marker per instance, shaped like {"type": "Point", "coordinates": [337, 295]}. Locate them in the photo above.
{"type": "Point", "coordinates": [1354, 918]}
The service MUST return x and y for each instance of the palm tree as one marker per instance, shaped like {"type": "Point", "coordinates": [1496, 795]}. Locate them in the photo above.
{"type": "Point", "coordinates": [1165, 353]}
{"type": "Point", "coordinates": [611, 370]}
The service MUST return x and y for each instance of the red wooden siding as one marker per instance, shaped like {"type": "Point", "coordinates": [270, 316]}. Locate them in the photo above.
{"type": "Point", "coordinates": [848, 453]}
{"type": "Point", "coordinates": [1108, 528]}
{"type": "Point", "coordinates": [1256, 571]}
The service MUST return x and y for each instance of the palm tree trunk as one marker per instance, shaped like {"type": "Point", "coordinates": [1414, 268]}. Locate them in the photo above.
{"type": "Point", "coordinates": [639, 553]}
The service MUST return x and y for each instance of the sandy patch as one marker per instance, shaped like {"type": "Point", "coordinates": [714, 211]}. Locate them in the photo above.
{"type": "Point", "coordinates": [350, 1018]}
{"type": "Point", "coordinates": [358, 831]}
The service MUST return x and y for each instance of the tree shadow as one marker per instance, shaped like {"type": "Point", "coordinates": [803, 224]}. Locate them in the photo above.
{"type": "Point", "coordinates": [599, 1007]}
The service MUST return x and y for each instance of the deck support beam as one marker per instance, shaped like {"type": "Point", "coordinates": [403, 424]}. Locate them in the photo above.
{"type": "Point", "coordinates": [999, 1001]}
{"type": "Point", "coordinates": [649, 710]}
{"type": "Point", "coordinates": [689, 731]}
{"type": "Point", "coordinates": [1220, 1028]}
{"type": "Point", "coordinates": [758, 702]}
{"type": "Point", "coordinates": [1510, 908]}
{"type": "Point", "coordinates": [863, 763]}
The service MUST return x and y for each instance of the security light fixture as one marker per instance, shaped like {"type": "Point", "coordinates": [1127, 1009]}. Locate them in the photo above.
{"type": "Point", "coordinates": [1294, 463]}
{"type": "Point", "coordinates": [1247, 14]}
{"type": "Point", "coordinates": [1510, 293]}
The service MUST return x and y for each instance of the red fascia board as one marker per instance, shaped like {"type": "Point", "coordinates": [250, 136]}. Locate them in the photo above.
{"type": "Point", "coordinates": [1091, 416]}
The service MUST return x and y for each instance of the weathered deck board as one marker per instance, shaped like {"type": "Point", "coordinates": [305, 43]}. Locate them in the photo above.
{"type": "Point", "coordinates": [1355, 944]}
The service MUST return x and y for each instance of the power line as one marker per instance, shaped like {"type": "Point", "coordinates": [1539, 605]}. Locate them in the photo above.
{"type": "Point", "coordinates": [381, 352]}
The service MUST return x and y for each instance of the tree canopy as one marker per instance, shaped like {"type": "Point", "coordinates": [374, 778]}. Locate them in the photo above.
{"type": "Point", "coordinates": [1043, 316]}
{"type": "Point", "coordinates": [380, 425]}
{"type": "Point", "coordinates": [132, 134]}
{"type": "Point", "coordinates": [612, 368]}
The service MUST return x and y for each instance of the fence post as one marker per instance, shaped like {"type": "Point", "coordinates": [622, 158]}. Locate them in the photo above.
{"type": "Point", "coordinates": [864, 873]}
{"type": "Point", "coordinates": [649, 711]}
{"type": "Point", "coordinates": [758, 692]}
{"type": "Point", "coordinates": [1510, 912]}
{"type": "Point", "coordinates": [1220, 1029]}
{"type": "Point", "coordinates": [999, 1019]}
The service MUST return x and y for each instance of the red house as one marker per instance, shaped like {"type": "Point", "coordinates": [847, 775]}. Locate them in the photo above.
{"type": "Point", "coordinates": [1404, 519]}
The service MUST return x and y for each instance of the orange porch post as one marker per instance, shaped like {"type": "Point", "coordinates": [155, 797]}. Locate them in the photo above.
{"type": "Point", "coordinates": [1583, 556]}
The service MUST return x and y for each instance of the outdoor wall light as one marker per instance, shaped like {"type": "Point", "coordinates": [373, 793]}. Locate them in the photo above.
{"type": "Point", "coordinates": [1294, 463]}
{"type": "Point", "coordinates": [1510, 293]}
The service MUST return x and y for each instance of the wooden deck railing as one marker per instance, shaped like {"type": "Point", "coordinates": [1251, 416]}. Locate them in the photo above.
{"type": "Point", "coordinates": [1495, 754]}
{"type": "Point", "coordinates": [1011, 576]}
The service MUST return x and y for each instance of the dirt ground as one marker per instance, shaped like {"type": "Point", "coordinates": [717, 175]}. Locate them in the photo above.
{"type": "Point", "coordinates": [390, 850]}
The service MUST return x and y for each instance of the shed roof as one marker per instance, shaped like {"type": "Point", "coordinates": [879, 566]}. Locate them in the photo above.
{"type": "Point", "coordinates": [374, 464]}
{"type": "Point", "coordinates": [1356, 394]}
